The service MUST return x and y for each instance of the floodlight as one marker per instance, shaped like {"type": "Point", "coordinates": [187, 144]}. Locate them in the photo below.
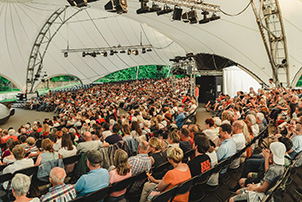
{"type": "Point", "coordinates": [177, 13]}
{"type": "Point", "coordinates": [65, 54]}
{"type": "Point", "coordinates": [166, 10]}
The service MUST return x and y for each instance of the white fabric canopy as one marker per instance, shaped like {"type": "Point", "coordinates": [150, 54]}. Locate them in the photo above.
{"type": "Point", "coordinates": [236, 38]}
{"type": "Point", "coordinates": [235, 79]}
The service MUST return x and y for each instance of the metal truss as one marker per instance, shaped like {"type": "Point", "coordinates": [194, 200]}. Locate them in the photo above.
{"type": "Point", "coordinates": [40, 46]}
{"type": "Point", "coordinates": [101, 49]}
{"type": "Point", "coordinates": [270, 24]}
{"type": "Point", "coordinates": [192, 4]}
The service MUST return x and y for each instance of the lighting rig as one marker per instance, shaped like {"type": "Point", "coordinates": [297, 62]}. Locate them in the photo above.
{"type": "Point", "coordinates": [105, 51]}
{"type": "Point", "coordinates": [186, 65]}
{"type": "Point", "coordinates": [190, 16]}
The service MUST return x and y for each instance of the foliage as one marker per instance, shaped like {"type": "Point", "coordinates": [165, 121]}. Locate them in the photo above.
{"type": "Point", "coordinates": [5, 85]}
{"type": "Point", "coordinates": [63, 78]}
{"type": "Point", "coordinates": [145, 71]}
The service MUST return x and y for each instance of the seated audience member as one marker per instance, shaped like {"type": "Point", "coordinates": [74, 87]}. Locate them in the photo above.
{"type": "Point", "coordinates": [273, 172]}
{"type": "Point", "coordinates": [228, 146]}
{"type": "Point", "coordinates": [96, 179]}
{"type": "Point", "coordinates": [211, 132]}
{"type": "Point", "coordinates": [30, 145]}
{"type": "Point", "coordinates": [20, 163]}
{"type": "Point", "coordinates": [67, 148]}
{"type": "Point", "coordinates": [48, 153]}
{"type": "Point", "coordinates": [239, 140]}
{"type": "Point", "coordinates": [58, 145]}
{"type": "Point", "coordinates": [8, 159]}
{"type": "Point", "coordinates": [179, 119]}
{"type": "Point", "coordinates": [106, 131]}
{"type": "Point", "coordinates": [120, 172]}
{"type": "Point", "coordinates": [88, 144]}
{"type": "Point", "coordinates": [115, 136]}
{"type": "Point", "coordinates": [156, 154]}
{"type": "Point", "coordinates": [20, 187]}
{"type": "Point", "coordinates": [214, 179]}
{"type": "Point", "coordinates": [136, 131]}
{"type": "Point", "coordinates": [179, 174]}
{"type": "Point", "coordinates": [59, 190]}
{"type": "Point", "coordinates": [201, 162]}
{"type": "Point", "coordinates": [173, 139]}
{"type": "Point", "coordinates": [297, 142]}
{"type": "Point", "coordinates": [141, 162]}
{"type": "Point", "coordinates": [185, 143]}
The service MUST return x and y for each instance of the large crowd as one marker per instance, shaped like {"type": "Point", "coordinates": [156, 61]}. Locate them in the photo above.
{"type": "Point", "coordinates": [127, 128]}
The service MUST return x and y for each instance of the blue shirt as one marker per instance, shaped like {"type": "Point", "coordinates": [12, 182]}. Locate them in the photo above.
{"type": "Point", "coordinates": [226, 149]}
{"type": "Point", "coordinates": [92, 181]}
{"type": "Point", "coordinates": [179, 119]}
{"type": "Point", "coordinates": [297, 146]}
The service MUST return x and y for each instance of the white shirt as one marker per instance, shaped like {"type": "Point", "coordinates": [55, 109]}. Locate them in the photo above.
{"type": "Point", "coordinates": [239, 141]}
{"type": "Point", "coordinates": [106, 133]}
{"type": "Point", "coordinates": [213, 180]}
{"type": "Point", "coordinates": [66, 153]}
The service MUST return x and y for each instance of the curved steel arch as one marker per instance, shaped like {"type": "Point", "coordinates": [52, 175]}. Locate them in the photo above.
{"type": "Point", "coordinates": [35, 63]}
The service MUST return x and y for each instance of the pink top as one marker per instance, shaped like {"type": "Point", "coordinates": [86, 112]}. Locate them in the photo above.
{"type": "Point", "coordinates": [115, 177]}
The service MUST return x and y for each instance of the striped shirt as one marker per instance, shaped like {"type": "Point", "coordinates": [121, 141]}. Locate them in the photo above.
{"type": "Point", "coordinates": [60, 193]}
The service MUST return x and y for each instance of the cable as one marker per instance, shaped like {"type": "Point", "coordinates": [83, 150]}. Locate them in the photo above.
{"type": "Point", "coordinates": [165, 46]}
{"type": "Point", "coordinates": [232, 15]}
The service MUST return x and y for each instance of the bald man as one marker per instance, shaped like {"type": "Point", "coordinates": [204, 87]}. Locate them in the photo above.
{"type": "Point", "coordinates": [59, 191]}
{"type": "Point", "coordinates": [88, 144]}
{"type": "Point", "coordinates": [239, 140]}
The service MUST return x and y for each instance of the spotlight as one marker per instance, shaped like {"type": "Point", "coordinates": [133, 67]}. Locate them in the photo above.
{"type": "Point", "coordinates": [135, 52]}
{"type": "Point", "coordinates": [166, 10]}
{"type": "Point", "coordinates": [214, 17]}
{"type": "Point", "coordinates": [93, 54]}
{"type": "Point", "coordinates": [65, 54]}
{"type": "Point", "coordinates": [111, 52]}
{"type": "Point", "coordinates": [122, 51]}
{"type": "Point", "coordinates": [177, 13]}
{"type": "Point", "coordinates": [118, 6]}
{"type": "Point", "coordinates": [129, 52]}
{"type": "Point", "coordinates": [149, 50]}
{"type": "Point", "coordinates": [190, 16]}
{"type": "Point", "coordinates": [205, 18]}
{"type": "Point", "coordinates": [143, 50]}
{"type": "Point", "coordinates": [104, 54]}
{"type": "Point", "coordinates": [154, 8]}
{"type": "Point", "coordinates": [144, 8]}
{"type": "Point", "coordinates": [83, 54]}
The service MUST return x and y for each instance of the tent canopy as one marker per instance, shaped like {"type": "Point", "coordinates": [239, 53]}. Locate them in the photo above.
{"type": "Point", "coordinates": [235, 38]}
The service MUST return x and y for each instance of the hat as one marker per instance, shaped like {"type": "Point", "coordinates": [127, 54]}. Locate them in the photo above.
{"type": "Point", "coordinates": [278, 149]}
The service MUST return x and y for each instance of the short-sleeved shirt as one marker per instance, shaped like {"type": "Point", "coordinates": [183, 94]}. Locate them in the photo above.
{"type": "Point", "coordinates": [115, 177]}
{"type": "Point", "coordinates": [297, 145]}
{"type": "Point", "coordinates": [175, 177]}
{"type": "Point", "coordinates": [199, 164]}
{"type": "Point", "coordinates": [140, 163]}
{"type": "Point", "coordinates": [60, 193]}
{"type": "Point", "coordinates": [272, 174]}
{"type": "Point", "coordinates": [92, 181]}
{"type": "Point", "coordinates": [239, 140]}
{"type": "Point", "coordinates": [179, 119]}
{"type": "Point", "coordinates": [88, 146]}
{"type": "Point", "coordinates": [226, 149]}
{"type": "Point", "coordinates": [185, 145]}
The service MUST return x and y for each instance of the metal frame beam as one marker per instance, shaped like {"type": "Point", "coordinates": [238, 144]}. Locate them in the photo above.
{"type": "Point", "coordinates": [40, 46]}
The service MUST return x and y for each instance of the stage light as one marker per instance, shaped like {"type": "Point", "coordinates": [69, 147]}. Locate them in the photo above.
{"type": "Point", "coordinates": [65, 54]}
{"type": "Point", "coordinates": [93, 54]}
{"type": "Point", "coordinates": [135, 52]}
{"type": "Point", "coordinates": [154, 8]}
{"type": "Point", "coordinates": [177, 13]}
{"type": "Point", "coordinates": [205, 18]}
{"type": "Point", "coordinates": [122, 51]}
{"type": "Point", "coordinates": [143, 50]}
{"type": "Point", "coordinates": [190, 17]}
{"type": "Point", "coordinates": [129, 52]}
{"type": "Point", "coordinates": [79, 3]}
{"type": "Point", "coordinates": [104, 54]}
{"type": "Point", "coordinates": [166, 10]}
{"type": "Point", "coordinates": [118, 6]}
{"type": "Point", "coordinates": [111, 52]}
{"type": "Point", "coordinates": [214, 17]}
{"type": "Point", "coordinates": [83, 54]}
{"type": "Point", "coordinates": [149, 50]}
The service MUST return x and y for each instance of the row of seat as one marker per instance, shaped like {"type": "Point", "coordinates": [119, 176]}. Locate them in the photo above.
{"type": "Point", "coordinates": [170, 194]}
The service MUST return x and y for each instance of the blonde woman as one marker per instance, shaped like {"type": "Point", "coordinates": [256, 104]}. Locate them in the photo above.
{"type": "Point", "coordinates": [120, 172]}
{"type": "Point", "coordinates": [180, 173]}
{"type": "Point", "coordinates": [157, 155]}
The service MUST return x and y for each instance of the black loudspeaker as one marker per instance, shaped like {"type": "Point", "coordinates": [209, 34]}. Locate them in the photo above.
{"type": "Point", "coordinates": [210, 87]}
{"type": "Point", "coordinates": [177, 13]}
